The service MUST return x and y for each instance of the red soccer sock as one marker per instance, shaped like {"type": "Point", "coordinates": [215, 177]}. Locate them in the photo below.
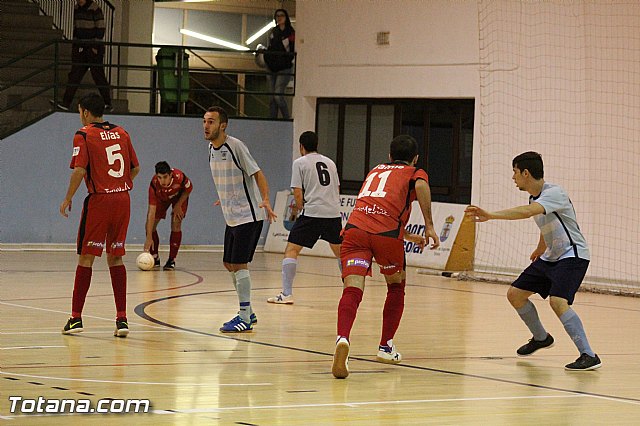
{"type": "Point", "coordinates": [392, 313]}
{"type": "Point", "coordinates": [174, 243]}
{"type": "Point", "coordinates": [80, 289]}
{"type": "Point", "coordinates": [347, 310]}
{"type": "Point", "coordinates": [156, 243]}
{"type": "Point", "coordinates": [119, 285]}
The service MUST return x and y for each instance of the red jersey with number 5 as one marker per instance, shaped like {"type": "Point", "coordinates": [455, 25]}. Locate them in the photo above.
{"type": "Point", "coordinates": [384, 202]}
{"type": "Point", "coordinates": [106, 152]}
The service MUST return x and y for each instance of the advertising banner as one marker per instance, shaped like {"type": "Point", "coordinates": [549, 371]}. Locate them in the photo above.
{"type": "Point", "coordinates": [446, 220]}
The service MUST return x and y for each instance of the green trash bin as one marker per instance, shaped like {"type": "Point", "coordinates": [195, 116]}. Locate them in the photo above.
{"type": "Point", "coordinates": [173, 73]}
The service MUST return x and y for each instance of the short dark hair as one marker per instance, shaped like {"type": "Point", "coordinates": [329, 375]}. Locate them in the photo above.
{"type": "Point", "coordinates": [403, 148]}
{"type": "Point", "coordinates": [224, 118]}
{"type": "Point", "coordinates": [92, 103]}
{"type": "Point", "coordinates": [162, 167]}
{"type": "Point", "coordinates": [531, 161]}
{"type": "Point", "coordinates": [309, 140]}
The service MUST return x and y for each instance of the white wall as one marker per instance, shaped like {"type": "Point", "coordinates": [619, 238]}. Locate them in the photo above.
{"type": "Point", "coordinates": [433, 51]}
{"type": "Point", "coordinates": [137, 27]}
{"type": "Point", "coordinates": [557, 77]}
{"type": "Point", "coordinates": [562, 78]}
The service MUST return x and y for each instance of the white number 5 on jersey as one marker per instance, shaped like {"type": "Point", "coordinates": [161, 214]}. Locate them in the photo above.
{"type": "Point", "coordinates": [112, 156]}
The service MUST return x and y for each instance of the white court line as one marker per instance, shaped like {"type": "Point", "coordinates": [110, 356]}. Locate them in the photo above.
{"type": "Point", "coordinates": [135, 383]}
{"type": "Point", "coordinates": [93, 330]}
{"type": "Point", "coordinates": [608, 398]}
{"type": "Point", "coordinates": [357, 404]}
{"type": "Point", "coordinates": [30, 347]}
{"type": "Point", "coordinates": [83, 316]}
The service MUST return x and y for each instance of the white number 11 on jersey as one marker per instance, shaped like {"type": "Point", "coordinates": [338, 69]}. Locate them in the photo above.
{"type": "Point", "coordinates": [379, 192]}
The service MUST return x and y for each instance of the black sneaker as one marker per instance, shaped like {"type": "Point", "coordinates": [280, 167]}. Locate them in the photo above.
{"type": "Point", "coordinates": [170, 265]}
{"type": "Point", "coordinates": [533, 345]}
{"type": "Point", "coordinates": [74, 325]}
{"type": "Point", "coordinates": [585, 363]}
{"type": "Point", "coordinates": [156, 262]}
{"type": "Point", "coordinates": [122, 328]}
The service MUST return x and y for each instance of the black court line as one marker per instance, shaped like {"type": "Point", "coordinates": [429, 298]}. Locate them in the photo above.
{"type": "Point", "coordinates": [52, 387]}
{"type": "Point", "coordinates": [140, 311]}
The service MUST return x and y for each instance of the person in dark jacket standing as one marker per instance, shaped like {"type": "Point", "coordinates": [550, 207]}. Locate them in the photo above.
{"type": "Point", "coordinates": [281, 40]}
{"type": "Point", "coordinates": [88, 27]}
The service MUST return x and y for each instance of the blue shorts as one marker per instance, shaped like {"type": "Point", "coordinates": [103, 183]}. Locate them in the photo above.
{"type": "Point", "coordinates": [240, 242]}
{"type": "Point", "coordinates": [560, 279]}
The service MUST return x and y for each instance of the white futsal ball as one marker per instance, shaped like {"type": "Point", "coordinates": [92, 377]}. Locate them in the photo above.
{"type": "Point", "coordinates": [145, 261]}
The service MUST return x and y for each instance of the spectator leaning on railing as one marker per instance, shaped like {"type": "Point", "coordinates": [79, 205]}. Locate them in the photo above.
{"type": "Point", "coordinates": [282, 41]}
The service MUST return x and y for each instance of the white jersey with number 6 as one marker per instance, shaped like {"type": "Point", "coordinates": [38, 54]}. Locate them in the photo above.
{"type": "Point", "coordinates": [317, 175]}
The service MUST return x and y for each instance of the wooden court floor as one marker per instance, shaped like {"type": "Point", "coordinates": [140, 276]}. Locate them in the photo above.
{"type": "Point", "coordinates": [458, 340]}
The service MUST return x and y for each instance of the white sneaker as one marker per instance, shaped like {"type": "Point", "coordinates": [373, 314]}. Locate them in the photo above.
{"type": "Point", "coordinates": [281, 299]}
{"type": "Point", "coordinates": [388, 354]}
{"type": "Point", "coordinates": [340, 367]}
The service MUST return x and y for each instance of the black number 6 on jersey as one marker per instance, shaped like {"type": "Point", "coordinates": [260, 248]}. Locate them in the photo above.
{"type": "Point", "coordinates": [323, 174]}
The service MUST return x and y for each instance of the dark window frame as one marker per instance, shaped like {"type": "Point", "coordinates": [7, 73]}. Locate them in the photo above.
{"type": "Point", "coordinates": [455, 191]}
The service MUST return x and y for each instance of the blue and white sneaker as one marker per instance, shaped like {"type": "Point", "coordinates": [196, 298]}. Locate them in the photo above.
{"type": "Point", "coordinates": [388, 354]}
{"type": "Point", "coordinates": [236, 325]}
{"type": "Point", "coordinates": [253, 318]}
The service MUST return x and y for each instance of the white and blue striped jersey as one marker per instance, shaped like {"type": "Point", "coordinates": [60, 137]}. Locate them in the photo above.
{"type": "Point", "coordinates": [558, 225]}
{"type": "Point", "coordinates": [233, 169]}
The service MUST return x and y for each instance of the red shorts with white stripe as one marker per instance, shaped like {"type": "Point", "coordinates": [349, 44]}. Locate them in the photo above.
{"type": "Point", "coordinates": [104, 224]}
{"type": "Point", "coordinates": [359, 248]}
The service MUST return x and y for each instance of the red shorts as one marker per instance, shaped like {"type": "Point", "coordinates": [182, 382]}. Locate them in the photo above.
{"type": "Point", "coordinates": [161, 208]}
{"type": "Point", "coordinates": [104, 223]}
{"type": "Point", "coordinates": [360, 247]}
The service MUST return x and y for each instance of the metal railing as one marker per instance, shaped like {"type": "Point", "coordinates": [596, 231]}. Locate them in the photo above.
{"type": "Point", "coordinates": [242, 89]}
{"type": "Point", "coordinates": [62, 13]}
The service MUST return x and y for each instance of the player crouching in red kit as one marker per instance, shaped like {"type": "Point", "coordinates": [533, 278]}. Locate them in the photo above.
{"type": "Point", "coordinates": [104, 157]}
{"type": "Point", "coordinates": [169, 187]}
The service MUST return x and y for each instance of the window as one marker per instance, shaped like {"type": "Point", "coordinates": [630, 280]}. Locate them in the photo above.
{"type": "Point", "coordinates": [356, 133]}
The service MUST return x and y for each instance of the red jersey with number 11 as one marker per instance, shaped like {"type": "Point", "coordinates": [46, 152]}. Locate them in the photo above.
{"type": "Point", "coordinates": [106, 152]}
{"type": "Point", "coordinates": [384, 202]}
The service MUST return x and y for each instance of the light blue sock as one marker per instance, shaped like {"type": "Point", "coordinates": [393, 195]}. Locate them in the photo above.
{"type": "Point", "coordinates": [243, 288]}
{"type": "Point", "coordinates": [289, 266]}
{"type": "Point", "coordinates": [233, 278]}
{"type": "Point", "coordinates": [235, 286]}
{"type": "Point", "coordinates": [575, 330]}
{"type": "Point", "coordinates": [529, 315]}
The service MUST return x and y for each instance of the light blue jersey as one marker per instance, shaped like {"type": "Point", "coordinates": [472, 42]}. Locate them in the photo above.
{"type": "Point", "coordinates": [233, 169]}
{"type": "Point", "coordinates": [558, 225]}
